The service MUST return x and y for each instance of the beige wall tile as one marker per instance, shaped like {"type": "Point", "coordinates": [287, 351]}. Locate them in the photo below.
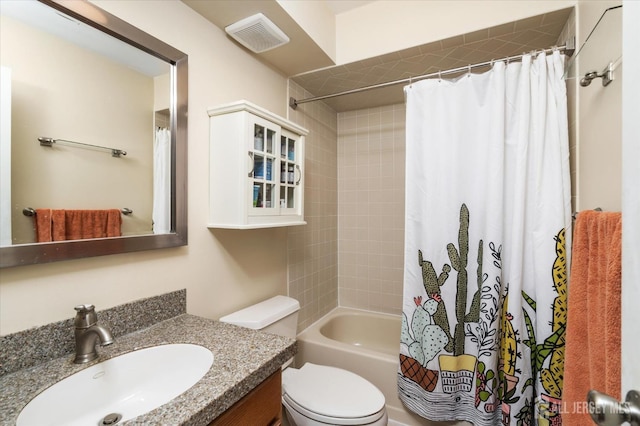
{"type": "Point", "coordinates": [371, 208]}
{"type": "Point", "coordinates": [313, 248]}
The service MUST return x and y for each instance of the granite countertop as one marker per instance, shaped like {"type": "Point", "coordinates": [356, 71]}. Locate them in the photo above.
{"type": "Point", "coordinates": [243, 358]}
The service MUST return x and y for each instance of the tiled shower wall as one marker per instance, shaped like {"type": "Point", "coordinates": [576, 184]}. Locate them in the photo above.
{"type": "Point", "coordinates": [352, 246]}
{"type": "Point", "coordinates": [313, 248]}
{"type": "Point", "coordinates": [371, 164]}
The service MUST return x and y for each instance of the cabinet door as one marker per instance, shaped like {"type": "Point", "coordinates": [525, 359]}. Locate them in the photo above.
{"type": "Point", "coordinates": [291, 173]}
{"type": "Point", "coordinates": [263, 151]}
{"type": "Point", "coordinates": [261, 407]}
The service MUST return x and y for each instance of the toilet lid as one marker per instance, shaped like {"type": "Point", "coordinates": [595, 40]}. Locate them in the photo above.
{"type": "Point", "coordinates": [331, 392]}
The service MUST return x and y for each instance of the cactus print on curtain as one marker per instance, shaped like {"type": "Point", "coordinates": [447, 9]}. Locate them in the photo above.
{"type": "Point", "coordinates": [487, 219]}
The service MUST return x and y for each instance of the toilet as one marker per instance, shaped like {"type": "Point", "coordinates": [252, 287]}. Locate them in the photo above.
{"type": "Point", "coordinates": [314, 395]}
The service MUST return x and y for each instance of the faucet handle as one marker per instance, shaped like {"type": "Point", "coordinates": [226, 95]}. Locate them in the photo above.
{"type": "Point", "coordinates": [84, 308]}
{"type": "Point", "coordinates": [86, 316]}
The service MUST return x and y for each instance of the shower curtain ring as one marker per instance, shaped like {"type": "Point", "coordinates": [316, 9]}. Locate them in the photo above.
{"type": "Point", "coordinates": [440, 75]}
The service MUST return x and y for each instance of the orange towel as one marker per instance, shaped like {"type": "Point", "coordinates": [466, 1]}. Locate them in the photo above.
{"type": "Point", "coordinates": [592, 356]}
{"type": "Point", "coordinates": [58, 228]}
{"type": "Point", "coordinates": [84, 224]}
{"type": "Point", "coordinates": [43, 225]}
{"type": "Point", "coordinates": [61, 225]}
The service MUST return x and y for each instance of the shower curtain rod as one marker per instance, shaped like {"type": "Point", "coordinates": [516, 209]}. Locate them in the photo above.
{"type": "Point", "coordinates": [568, 49]}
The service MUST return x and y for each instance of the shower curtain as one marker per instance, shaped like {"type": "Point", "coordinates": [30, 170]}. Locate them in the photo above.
{"type": "Point", "coordinates": [162, 182]}
{"type": "Point", "coordinates": [487, 228]}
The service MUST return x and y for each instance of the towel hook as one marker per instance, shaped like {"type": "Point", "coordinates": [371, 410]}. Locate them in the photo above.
{"type": "Point", "coordinates": [608, 410]}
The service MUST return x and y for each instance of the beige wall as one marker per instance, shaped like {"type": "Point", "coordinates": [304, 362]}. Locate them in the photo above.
{"type": "Point", "coordinates": [387, 26]}
{"type": "Point", "coordinates": [55, 95]}
{"type": "Point", "coordinates": [221, 270]}
{"type": "Point", "coordinates": [371, 163]}
{"type": "Point", "coordinates": [317, 20]}
{"type": "Point", "coordinates": [161, 92]}
{"type": "Point", "coordinates": [598, 128]}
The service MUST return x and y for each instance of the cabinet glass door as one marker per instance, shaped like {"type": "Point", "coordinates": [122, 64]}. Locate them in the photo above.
{"type": "Point", "coordinates": [290, 172]}
{"type": "Point", "coordinates": [264, 163]}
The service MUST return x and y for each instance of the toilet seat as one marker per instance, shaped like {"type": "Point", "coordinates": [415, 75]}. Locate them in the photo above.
{"type": "Point", "coordinates": [332, 395]}
{"type": "Point", "coordinates": [334, 421]}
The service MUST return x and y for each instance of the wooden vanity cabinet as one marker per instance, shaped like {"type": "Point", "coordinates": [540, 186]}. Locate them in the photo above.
{"type": "Point", "coordinates": [260, 407]}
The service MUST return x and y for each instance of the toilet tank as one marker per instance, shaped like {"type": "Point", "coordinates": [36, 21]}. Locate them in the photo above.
{"type": "Point", "coordinates": [278, 315]}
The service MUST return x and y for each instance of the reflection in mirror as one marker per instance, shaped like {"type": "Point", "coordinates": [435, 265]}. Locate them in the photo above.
{"type": "Point", "coordinates": [77, 80]}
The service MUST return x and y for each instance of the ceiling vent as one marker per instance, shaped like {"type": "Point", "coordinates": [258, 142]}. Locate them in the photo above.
{"type": "Point", "coordinates": [257, 33]}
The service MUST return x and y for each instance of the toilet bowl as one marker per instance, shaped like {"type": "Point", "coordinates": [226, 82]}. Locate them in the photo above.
{"type": "Point", "coordinates": [314, 395]}
{"type": "Point", "coordinates": [317, 395]}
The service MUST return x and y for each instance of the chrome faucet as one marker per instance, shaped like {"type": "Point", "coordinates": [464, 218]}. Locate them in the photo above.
{"type": "Point", "coordinates": [88, 333]}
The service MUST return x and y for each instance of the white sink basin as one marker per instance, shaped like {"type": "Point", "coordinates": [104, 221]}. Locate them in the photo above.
{"type": "Point", "coordinates": [128, 385]}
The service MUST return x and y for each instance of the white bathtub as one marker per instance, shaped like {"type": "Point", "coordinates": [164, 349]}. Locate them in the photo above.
{"type": "Point", "coordinates": [366, 343]}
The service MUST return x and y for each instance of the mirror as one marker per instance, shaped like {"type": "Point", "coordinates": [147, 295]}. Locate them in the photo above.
{"type": "Point", "coordinates": [97, 85]}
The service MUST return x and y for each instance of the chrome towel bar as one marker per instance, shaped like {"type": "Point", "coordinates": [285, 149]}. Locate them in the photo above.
{"type": "Point", "coordinates": [30, 211]}
{"type": "Point", "coordinates": [47, 141]}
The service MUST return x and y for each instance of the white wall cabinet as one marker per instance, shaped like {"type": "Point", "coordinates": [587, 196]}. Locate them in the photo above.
{"type": "Point", "coordinates": [256, 175]}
